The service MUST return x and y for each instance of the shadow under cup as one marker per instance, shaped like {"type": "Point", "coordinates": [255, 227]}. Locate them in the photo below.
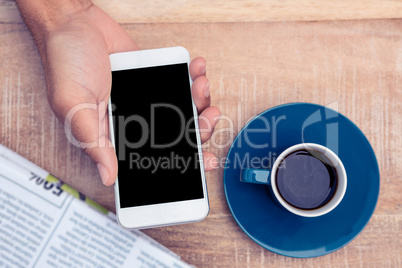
{"type": "Point", "coordinates": [307, 179]}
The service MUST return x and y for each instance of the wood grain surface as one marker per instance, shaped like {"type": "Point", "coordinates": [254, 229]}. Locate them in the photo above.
{"type": "Point", "coordinates": [137, 11]}
{"type": "Point", "coordinates": [354, 66]}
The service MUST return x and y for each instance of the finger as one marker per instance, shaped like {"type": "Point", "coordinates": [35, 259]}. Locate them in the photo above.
{"type": "Point", "coordinates": [88, 126]}
{"type": "Point", "coordinates": [124, 44]}
{"type": "Point", "coordinates": [207, 121]}
{"type": "Point", "coordinates": [200, 92]}
{"type": "Point", "coordinates": [198, 67]}
{"type": "Point", "coordinates": [210, 161]}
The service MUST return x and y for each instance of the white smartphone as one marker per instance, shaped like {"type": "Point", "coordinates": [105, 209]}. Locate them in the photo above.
{"type": "Point", "coordinates": [154, 128]}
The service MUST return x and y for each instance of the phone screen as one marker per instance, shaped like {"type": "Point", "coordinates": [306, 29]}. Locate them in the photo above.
{"type": "Point", "coordinates": [155, 136]}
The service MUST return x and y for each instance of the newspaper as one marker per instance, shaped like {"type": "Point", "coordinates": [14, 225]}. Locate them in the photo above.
{"type": "Point", "coordinates": [42, 225]}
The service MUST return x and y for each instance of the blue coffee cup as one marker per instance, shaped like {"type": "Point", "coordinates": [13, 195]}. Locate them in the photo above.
{"type": "Point", "coordinates": [297, 177]}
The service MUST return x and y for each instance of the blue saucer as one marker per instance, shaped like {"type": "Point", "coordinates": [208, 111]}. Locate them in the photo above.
{"type": "Point", "coordinates": [256, 211]}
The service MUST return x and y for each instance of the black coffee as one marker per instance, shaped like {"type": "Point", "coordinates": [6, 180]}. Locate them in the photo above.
{"type": "Point", "coordinates": [306, 179]}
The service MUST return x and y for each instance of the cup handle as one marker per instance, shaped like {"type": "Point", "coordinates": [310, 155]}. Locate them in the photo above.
{"type": "Point", "coordinates": [252, 175]}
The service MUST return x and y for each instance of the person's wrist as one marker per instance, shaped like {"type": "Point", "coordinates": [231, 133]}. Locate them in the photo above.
{"type": "Point", "coordinates": [45, 16]}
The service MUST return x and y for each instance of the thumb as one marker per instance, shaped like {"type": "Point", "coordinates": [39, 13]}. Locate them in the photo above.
{"type": "Point", "coordinates": [86, 126]}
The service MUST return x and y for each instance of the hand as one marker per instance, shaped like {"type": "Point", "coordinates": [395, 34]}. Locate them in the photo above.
{"type": "Point", "coordinates": [75, 50]}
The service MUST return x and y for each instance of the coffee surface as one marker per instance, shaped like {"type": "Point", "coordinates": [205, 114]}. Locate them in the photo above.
{"type": "Point", "coordinates": [306, 179]}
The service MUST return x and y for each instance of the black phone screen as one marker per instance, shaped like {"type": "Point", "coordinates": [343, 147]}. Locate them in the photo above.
{"type": "Point", "coordinates": [155, 136]}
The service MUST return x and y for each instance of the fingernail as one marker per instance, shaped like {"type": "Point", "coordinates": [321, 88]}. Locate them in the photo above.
{"type": "Point", "coordinates": [104, 173]}
{"type": "Point", "coordinates": [204, 69]}
{"type": "Point", "coordinates": [206, 90]}
{"type": "Point", "coordinates": [213, 163]}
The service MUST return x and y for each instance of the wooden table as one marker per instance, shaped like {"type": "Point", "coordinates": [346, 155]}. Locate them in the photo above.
{"type": "Point", "coordinates": [260, 54]}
